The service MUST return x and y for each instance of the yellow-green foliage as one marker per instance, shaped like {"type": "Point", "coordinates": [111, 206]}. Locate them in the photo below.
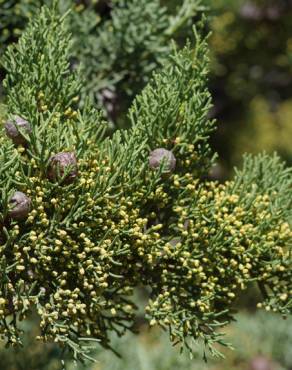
{"type": "Point", "coordinates": [86, 245]}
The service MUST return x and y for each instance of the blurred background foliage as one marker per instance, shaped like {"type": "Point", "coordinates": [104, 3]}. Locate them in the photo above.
{"type": "Point", "coordinates": [251, 79]}
{"type": "Point", "coordinates": [251, 83]}
{"type": "Point", "coordinates": [262, 341]}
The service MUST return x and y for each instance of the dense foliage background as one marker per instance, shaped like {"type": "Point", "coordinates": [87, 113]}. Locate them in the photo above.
{"type": "Point", "coordinates": [251, 77]}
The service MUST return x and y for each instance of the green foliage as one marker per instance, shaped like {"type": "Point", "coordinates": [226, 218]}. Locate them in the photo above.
{"type": "Point", "coordinates": [118, 225]}
{"type": "Point", "coordinates": [117, 50]}
{"type": "Point", "coordinates": [119, 54]}
{"type": "Point", "coordinates": [253, 334]}
{"type": "Point", "coordinates": [35, 74]}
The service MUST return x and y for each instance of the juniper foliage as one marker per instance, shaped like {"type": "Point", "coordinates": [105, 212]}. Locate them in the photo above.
{"type": "Point", "coordinates": [86, 245]}
{"type": "Point", "coordinates": [118, 48]}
